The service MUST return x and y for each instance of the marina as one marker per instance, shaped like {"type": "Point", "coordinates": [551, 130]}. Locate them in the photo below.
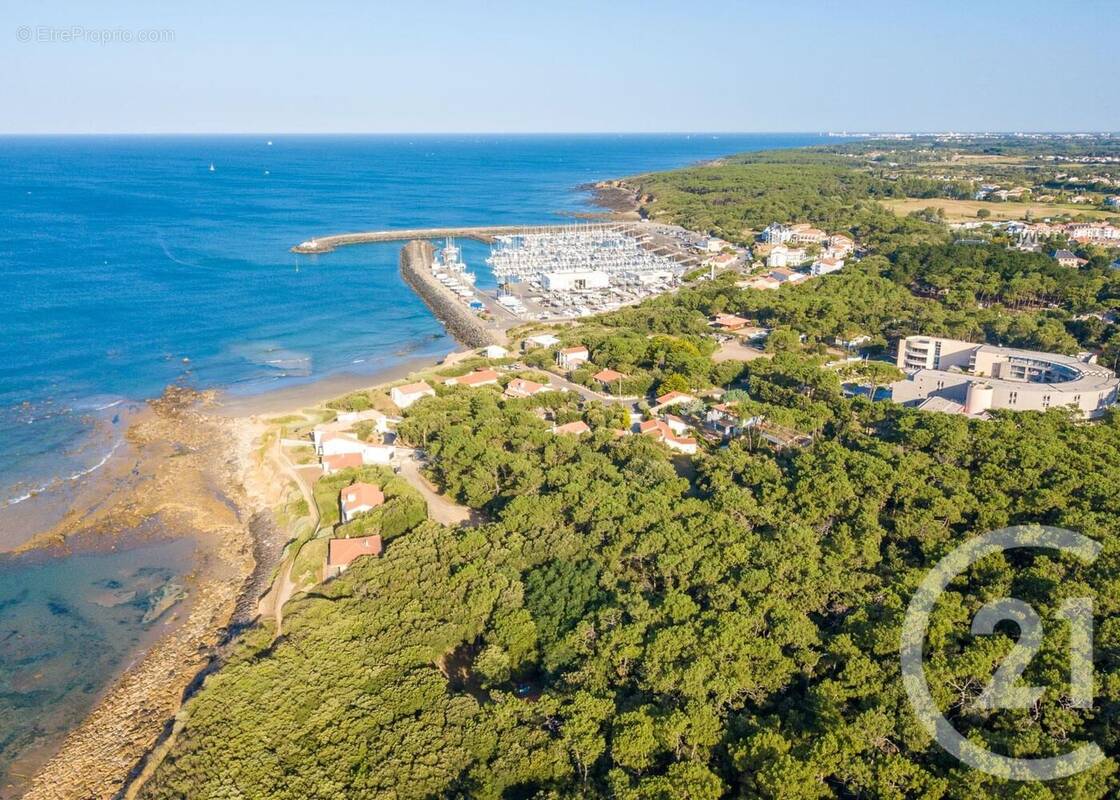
{"type": "Point", "coordinates": [553, 272]}
{"type": "Point", "coordinates": [578, 270]}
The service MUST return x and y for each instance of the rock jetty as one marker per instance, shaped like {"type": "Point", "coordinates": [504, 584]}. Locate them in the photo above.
{"type": "Point", "coordinates": [460, 321]}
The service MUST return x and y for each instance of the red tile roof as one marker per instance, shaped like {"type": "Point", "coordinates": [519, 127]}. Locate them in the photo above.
{"type": "Point", "coordinates": [657, 429]}
{"type": "Point", "coordinates": [343, 551]}
{"type": "Point", "coordinates": [577, 427]}
{"type": "Point", "coordinates": [357, 495]}
{"type": "Point", "coordinates": [475, 378]}
{"type": "Point", "coordinates": [415, 388]}
{"type": "Point", "coordinates": [668, 397]}
{"type": "Point", "coordinates": [342, 461]}
{"type": "Point", "coordinates": [520, 387]}
{"type": "Point", "coordinates": [608, 375]}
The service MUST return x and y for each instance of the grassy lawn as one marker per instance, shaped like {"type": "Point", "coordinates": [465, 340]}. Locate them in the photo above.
{"type": "Point", "coordinates": [965, 210]}
{"type": "Point", "coordinates": [308, 566]}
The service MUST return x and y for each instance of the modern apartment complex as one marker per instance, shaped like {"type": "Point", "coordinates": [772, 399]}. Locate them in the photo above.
{"type": "Point", "coordinates": [973, 379]}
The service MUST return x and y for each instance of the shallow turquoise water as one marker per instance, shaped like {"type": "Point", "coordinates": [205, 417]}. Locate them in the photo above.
{"type": "Point", "coordinates": [67, 625]}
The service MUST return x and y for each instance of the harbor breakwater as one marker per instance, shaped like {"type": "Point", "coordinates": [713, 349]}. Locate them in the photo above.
{"type": "Point", "coordinates": [486, 235]}
{"type": "Point", "coordinates": [325, 244]}
{"type": "Point", "coordinates": [461, 322]}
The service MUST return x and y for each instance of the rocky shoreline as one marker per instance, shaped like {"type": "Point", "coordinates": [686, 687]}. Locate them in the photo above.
{"type": "Point", "coordinates": [190, 471]}
{"type": "Point", "coordinates": [618, 197]}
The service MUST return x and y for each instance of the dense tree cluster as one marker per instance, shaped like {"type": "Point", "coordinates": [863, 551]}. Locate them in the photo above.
{"type": "Point", "coordinates": [629, 626]}
{"type": "Point", "coordinates": [620, 631]}
{"type": "Point", "coordinates": [736, 199]}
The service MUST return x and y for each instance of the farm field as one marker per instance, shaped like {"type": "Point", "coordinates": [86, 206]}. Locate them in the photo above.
{"type": "Point", "coordinates": [965, 210]}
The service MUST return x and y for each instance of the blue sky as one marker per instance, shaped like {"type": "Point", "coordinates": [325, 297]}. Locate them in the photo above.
{"type": "Point", "coordinates": [694, 65]}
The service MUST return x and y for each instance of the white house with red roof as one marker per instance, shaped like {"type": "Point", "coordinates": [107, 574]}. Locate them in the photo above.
{"type": "Point", "coordinates": [826, 265]}
{"type": "Point", "coordinates": [358, 498]}
{"type": "Point", "coordinates": [572, 357]}
{"type": "Point", "coordinates": [676, 424]}
{"type": "Point", "coordinates": [404, 396]}
{"type": "Point", "coordinates": [609, 376]}
{"type": "Point", "coordinates": [670, 399]}
{"type": "Point", "coordinates": [804, 233]}
{"type": "Point", "coordinates": [521, 387]}
{"type": "Point", "coordinates": [341, 553]}
{"type": "Point", "coordinates": [661, 431]}
{"type": "Point", "coordinates": [480, 377]}
{"type": "Point", "coordinates": [784, 276]}
{"type": "Point", "coordinates": [840, 245]}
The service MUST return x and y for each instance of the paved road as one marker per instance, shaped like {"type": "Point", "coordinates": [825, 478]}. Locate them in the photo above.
{"type": "Point", "coordinates": [559, 382]}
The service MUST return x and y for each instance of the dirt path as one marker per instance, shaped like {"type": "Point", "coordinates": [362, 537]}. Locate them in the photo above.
{"type": "Point", "coordinates": [440, 508]}
{"type": "Point", "coordinates": [272, 603]}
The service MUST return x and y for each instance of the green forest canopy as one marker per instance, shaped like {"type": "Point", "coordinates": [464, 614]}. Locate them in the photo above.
{"type": "Point", "coordinates": [617, 630]}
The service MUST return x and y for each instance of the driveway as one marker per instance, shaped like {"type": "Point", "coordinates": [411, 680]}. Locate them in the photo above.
{"type": "Point", "coordinates": [441, 509]}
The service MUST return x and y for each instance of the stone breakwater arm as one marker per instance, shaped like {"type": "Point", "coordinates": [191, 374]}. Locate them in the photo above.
{"type": "Point", "coordinates": [325, 244]}
{"type": "Point", "coordinates": [416, 269]}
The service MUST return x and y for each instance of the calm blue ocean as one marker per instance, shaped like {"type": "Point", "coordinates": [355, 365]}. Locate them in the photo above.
{"type": "Point", "coordinates": [128, 265]}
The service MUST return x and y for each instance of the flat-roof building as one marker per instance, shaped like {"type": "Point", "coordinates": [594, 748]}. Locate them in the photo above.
{"type": "Point", "coordinates": [982, 377]}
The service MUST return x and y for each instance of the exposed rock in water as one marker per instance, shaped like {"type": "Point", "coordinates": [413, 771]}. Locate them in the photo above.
{"type": "Point", "coordinates": [162, 600]}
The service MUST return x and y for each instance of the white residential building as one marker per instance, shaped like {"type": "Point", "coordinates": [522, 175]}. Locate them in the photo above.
{"type": "Point", "coordinates": [784, 276]}
{"type": "Point", "coordinates": [782, 256]}
{"type": "Point", "coordinates": [358, 498]}
{"type": "Point", "coordinates": [540, 340]}
{"type": "Point", "coordinates": [494, 351]}
{"type": "Point", "coordinates": [335, 444]}
{"type": "Point", "coordinates": [776, 233]}
{"type": "Point", "coordinates": [804, 233]}
{"type": "Point", "coordinates": [404, 396]}
{"type": "Point", "coordinates": [713, 244]}
{"type": "Point", "coordinates": [572, 357]}
{"type": "Point", "coordinates": [824, 266]}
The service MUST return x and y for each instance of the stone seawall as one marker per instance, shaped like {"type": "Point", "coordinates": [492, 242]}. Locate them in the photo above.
{"type": "Point", "coordinates": [461, 322]}
{"type": "Point", "coordinates": [487, 234]}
